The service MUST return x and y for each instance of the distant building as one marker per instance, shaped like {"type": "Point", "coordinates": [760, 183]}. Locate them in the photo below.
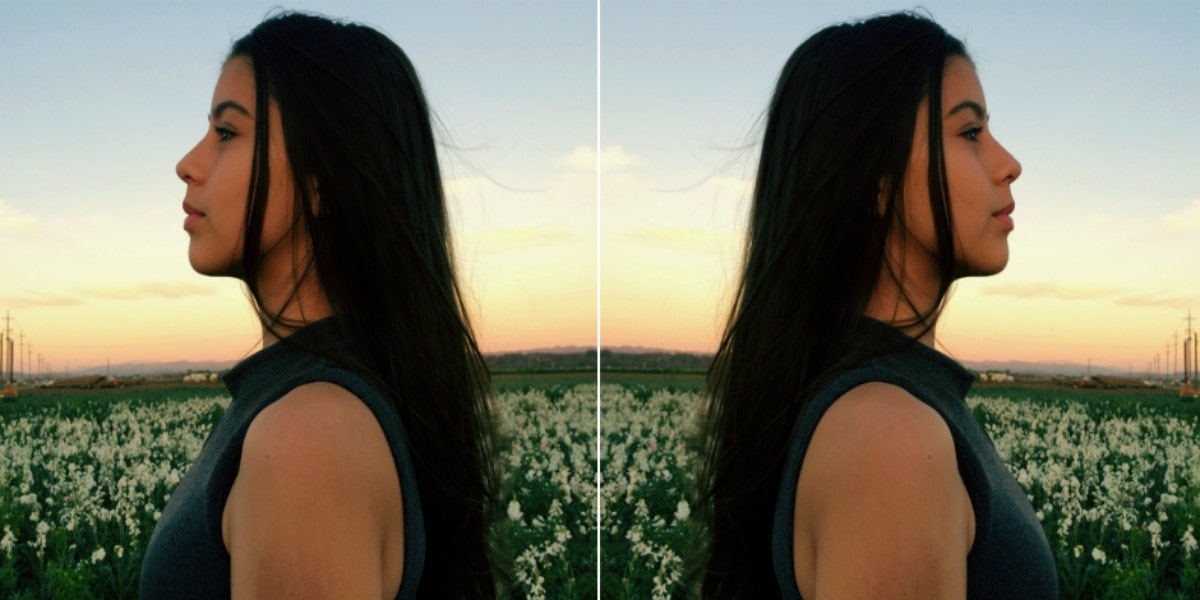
{"type": "Point", "coordinates": [996, 377]}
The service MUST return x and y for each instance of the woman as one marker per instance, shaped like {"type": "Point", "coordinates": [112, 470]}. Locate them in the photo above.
{"type": "Point", "coordinates": [356, 457]}
{"type": "Point", "coordinates": [840, 458]}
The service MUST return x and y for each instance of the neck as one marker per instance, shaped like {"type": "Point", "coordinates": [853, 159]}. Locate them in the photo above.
{"type": "Point", "coordinates": [296, 305]}
{"type": "Point", "coordinates": [910, 305]}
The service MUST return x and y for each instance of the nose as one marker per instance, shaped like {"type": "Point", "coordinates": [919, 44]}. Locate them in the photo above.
{"type": "Point", "coordinates": [187, 168]}
{"type": "Point", "coordinates": [1009, 167]}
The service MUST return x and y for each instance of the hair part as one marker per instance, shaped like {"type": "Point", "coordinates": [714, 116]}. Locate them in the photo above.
{"type": "Point", "coordinates": [828, 194]}
{"type": "Point", "coordinates": [368, 193]}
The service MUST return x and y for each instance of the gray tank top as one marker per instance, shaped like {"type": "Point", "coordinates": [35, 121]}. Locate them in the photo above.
{"type": "Point", "coordinates": [186, 557]}
{"type": "Point", "coordinates": [1010, 557]}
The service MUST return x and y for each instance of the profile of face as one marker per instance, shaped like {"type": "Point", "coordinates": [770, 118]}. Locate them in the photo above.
{"type": "Point", "coordinates": [979, 172]}
{"type": "Point", "coordinates": [217, 174]}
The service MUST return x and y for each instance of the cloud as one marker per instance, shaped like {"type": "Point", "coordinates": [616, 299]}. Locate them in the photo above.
{"type": "Point", "coordinates": [1036, 290]}
{"type": "Point", "coordinates": [703, 241]}
{"type": "Point", "coordinates": [584, 159]}
{"type": "Point", "coordinates": [463, 185]}
{"type": "Point", "coordinates": [1184, 221]}
{"type": "Point", "coordinates": [1159, 301]}
{"type": "Point", "coordinates": [737, 186]}
{"type": "Point", "coordinates": [500, 240]}
{"type": "Point", "coordinates": [149, 289]}
{"type": "Point", "coordinates": [39, 300]}
{"type": "Point", "coordinates": [77, 296]}
{"type": "Point", "coordinates": [12, 221]}
{"type": "Point", "coordinates": [1027, 290]}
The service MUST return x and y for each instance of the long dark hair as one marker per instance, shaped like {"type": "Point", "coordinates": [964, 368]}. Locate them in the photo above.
{"type": "Point", "coordinates": [368, 191]}
{"type": "Point", "coordinates": [828, 192]}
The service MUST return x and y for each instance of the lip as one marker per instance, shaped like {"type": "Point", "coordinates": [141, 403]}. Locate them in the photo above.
{"type": "Point", "coordinates": [193, 216]}
{"type": "Point", "coordinates": [1004, 215]}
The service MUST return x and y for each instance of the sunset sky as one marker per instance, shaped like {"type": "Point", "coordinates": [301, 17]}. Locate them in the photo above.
{"type": "Point", "coordinates": [1097, 100]}
{"type": "Point", "coordinates": [98, 101]}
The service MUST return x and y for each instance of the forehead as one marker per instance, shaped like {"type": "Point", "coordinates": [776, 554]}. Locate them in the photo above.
{"type": "Point", "coordinates": [235, 83]}
{"type": "Point", "coordinates": [960, 82]}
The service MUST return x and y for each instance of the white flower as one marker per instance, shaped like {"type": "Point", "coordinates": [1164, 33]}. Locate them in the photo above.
{"type": "Point", "coordinates": [1099, 556]}
{"type": "Point", "coordinates": [98, 555]}
{"type": "Point", "coordinates": [1189, 541]}
{"type": "Point", "coordinates": [1078, 551]}
{"type": "Point", "coordinates": [682, 511]}
{"type": "Point", "coordinates": [8, 541]}
{"type": "Point", "coordinates": [1154, 528]}
{"type": "Point", "coordinates": [120, 550]}
{"type": "Point", "coordinates": [43, 528]}
{"type": "Point", "coordinates": [514, 510]}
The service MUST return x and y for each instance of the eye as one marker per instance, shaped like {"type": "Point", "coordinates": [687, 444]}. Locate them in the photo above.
{"type": "Point", "coordinates": [973, 133]}
{"type": "Point", "coordinates": [223, 134]}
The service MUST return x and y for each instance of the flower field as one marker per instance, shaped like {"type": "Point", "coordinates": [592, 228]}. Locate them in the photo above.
{"type": "Point", "coordinates": [647, 463]}
{"type": "Point", "coordinates": [549, 451]}
{"type": "Point", "coordinates": [82, 482]}
{"type": "Point", "coordinates": [1116, 483]}
{"type": "Point", "coordinates": [81, 487]}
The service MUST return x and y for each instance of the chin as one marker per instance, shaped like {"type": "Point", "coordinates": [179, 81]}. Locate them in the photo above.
{"type": "Point", "coordinates": [208, 265]}
{"type": "Point", "coordinates": [985, 268]}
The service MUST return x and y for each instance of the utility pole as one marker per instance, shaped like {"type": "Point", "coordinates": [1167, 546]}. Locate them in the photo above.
{"type": "Point", "coordinates": [21, 350]}
{"type": "Point", "coordinates": [6, 335]}
{"type": "Point", "coordinates": [1175, 347]}
{"type": "Point", "coordinates": [8, 343]}
{"type": "Point", "coordinates": [1189, 357]}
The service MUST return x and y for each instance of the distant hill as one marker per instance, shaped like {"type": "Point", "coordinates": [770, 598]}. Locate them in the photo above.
{"type": "Point", "coordinates": [641, 350]}
{"type": "Point", "coordinates": [550, 350]}
{"type": "Point", "coordinates": [156, 368]}
{"type": "Point", "coordinates": [584, 357]}
{"type": "Point", "coordinates": [1042, 368]}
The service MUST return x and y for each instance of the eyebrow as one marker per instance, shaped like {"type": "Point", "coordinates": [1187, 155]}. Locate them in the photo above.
{"type": "Point", "coordinates": [220, 108]}
{"type": "Point", "coordinates": [969, 104]}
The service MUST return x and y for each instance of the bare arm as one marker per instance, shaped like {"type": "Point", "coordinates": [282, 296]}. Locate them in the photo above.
{"type": "Point", "coordinates": [881, 511]}
{"type": "Point", "coordinates": [315, 511]}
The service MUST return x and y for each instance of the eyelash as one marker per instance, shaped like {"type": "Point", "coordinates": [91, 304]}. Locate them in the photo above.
{"type": "Point", "coordinates": [223, 134]}
{"type": "Point", "coordinates": [972, 134]}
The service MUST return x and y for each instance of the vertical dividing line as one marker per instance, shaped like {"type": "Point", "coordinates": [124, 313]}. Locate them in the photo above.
{"type": "Point", "coordinates": [599, 478]}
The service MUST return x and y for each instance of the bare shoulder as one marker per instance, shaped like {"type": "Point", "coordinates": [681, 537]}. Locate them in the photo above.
{"type": "Point", "coordinates": [317, 411]}
{"type": "Point", "coordinates": [880, 505]}
{"type": "Point", "coordinates": [315, 435]}
{"type": "Point", "coordinates": [316, 498]}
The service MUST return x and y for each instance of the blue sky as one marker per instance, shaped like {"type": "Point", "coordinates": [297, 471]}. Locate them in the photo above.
{"type": "Point", "coordinates": [100, 100]}
{"type": "Point", "coordinates": [1097, 100]}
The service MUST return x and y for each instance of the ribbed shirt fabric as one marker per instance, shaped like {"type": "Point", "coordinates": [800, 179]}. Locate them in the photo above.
{"type": "Point", "coordinates": [1010, 557]}
{"type": "Point", "coordinates": [186, 557]}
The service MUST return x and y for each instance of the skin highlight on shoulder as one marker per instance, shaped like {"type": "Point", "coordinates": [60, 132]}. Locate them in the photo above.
{"type": "Point", "coordinates": [881, 511]}
{"type": "Point", "coordinates": [316, 510]}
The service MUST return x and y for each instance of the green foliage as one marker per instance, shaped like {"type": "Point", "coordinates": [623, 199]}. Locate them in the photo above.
{"type": "Point", "coordinates": [84, 475]}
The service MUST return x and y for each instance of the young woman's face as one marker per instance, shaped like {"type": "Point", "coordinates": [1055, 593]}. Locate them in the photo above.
{"type": "Point", "coordinates": [217, 174]}
{"type": "Point", "coordinates": [978, 172]}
